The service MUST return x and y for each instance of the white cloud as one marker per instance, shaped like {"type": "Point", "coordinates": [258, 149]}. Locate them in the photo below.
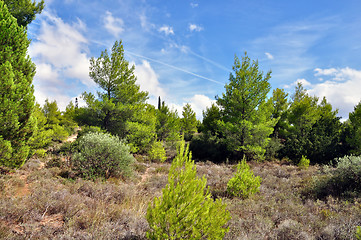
{"type": "Point", "coordinates": [148, 81]}
{"type": "Point", "coordinates": [327, 72]}
{"type": "Point", "coordinates": [194, 27]}
{"type": "Point", "coordinates": [342, 88]}
{"type": "Point", "coordinates": [269, 56]}
{"type": "Point", "coordinates": [167, 30]}
{"type": "Point", "coordinates": [199, 103]}
{"type": "Point", "coordinates": [303, 81]}
{"type": "Point", "coordinates": [114, 25]}
{"type": "Point", "coordinates": [194, 5]}
{"type": "Point", "coordinates": [59, 52]}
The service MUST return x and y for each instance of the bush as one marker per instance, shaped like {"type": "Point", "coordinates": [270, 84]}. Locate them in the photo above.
{"type": "Point", "coordinates": [157, 152]}
{"type": "Point", "coordinates": [89, 129]}
{"type": "Point", "coordinates": [244, 183]}
{"type": "Point", "coordinates": [102, 155]}
{"type": "Point", "coordinates": [186, 209]}
{"type": "Point", "coordinates": [208, 147]}
{"type": "Point", "coordinates": [342, 181]}
{"type": "Point", "coordinates": [304, 163]}
{"type": "Point", "coordinates": [358, 233]}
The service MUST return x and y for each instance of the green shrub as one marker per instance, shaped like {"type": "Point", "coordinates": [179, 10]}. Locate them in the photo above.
{"type": "Point", "coordinates": [186, 209]}
{"type": "Point", "coordinates": [102, 155]}
{"type": "Point", "coordinates": [41, 153]}
{"type": "Point", "coordinates": [157, 152]}
{"type": "Point", "coordinates": [304, 163]}
{"type": "Point", "coordinates": [244, 183]}
{"type": "Point", "coordinates": [358, 233]}
{"type": "Point", "coordinates": [343, 180]}
{"type": "Point", "coordinates": [88, 129]}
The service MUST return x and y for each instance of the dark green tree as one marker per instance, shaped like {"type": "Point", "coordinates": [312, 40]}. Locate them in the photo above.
{"type": "Point", "coordinates": [188, 122]}
{"type": "Point", "coordinates": [24, 10]}
{"type": "Point", "coordinates": [280, 104]}
{"type": "Point", "coordinates": [120, 97]}
{"type": "Point", "coordinates": [325, 135]}
{"type": "Point", "coordinates": [353, 130]}
{"type": "Point", "coordinates": [16, 98]}
{"type": "Point", "coordinates": [168, 124]}
{"type": "Point", "coordinates": [246, 117]}
{"type": "Point", "coordinates": [210, 118]}
{"type": "Point", "coordinates": [303, 114]}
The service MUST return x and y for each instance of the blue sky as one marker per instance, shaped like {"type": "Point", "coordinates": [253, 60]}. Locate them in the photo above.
{"type": "Point", "coordinates": [184, 50]}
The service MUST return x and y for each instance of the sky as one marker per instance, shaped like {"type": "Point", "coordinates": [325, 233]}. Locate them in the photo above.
{"type": "Point", "coordinates": [183, 50]}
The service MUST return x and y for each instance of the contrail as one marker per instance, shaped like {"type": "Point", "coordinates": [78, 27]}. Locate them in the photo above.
{"type": "Point", "coordinates": [174, 67]}
{"type": "Point", "coordinates": [208, 60]}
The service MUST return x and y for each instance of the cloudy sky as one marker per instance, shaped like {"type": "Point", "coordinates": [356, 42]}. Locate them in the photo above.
{"type": "Point", "coordinates": [183, 50]}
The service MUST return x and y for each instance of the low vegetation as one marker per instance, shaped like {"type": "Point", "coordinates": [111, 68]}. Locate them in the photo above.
{"type": "Point", "coordinates": [45, 199]}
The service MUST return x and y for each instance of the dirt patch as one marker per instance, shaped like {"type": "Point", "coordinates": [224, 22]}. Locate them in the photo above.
{"type": "Point", "coordinates": [23, 190]}
{"type": "Point", "coordinates": [53, 221]}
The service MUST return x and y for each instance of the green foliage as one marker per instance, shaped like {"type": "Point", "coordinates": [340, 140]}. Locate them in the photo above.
{"type": "Point", "coordinates": [302, 115]}
{"type": "Point", "coordinates": [342, 181]}
{"type": "Point", "coordinates": [120, 97]}
{"type": "Point", "coordinates": [244, 183]}
{"type": "Point", "coordinates": [206, 146]}
{"type": "Point", "coordinates": [16, 98]}
{"type": "Point", "coordinates": [89, 129]}
{"type": "Point", "coordinates": [353, 138]}
{"type": "Point", "coordinates": [325, 135]}
{"type": "Point", "coordinates": [358, 233]}
{"type": "Point", "coordinates": [168, 124]}
{"type": "Point", "coordinates": [24, 10]}
{"type": "Point", "coordinates": [314, 129]}
{"type": "Point", "coordinates": [210, 117]}
{"type": "Point", "coordinates": [186, 209]}
{"type": "Point", "coordinates": [157, 152]}
{"type": "Point", "coordinates": [188, 122]}
{"type": "Point", "coordinates": [102, 155]}
{"type": "Point", "coordinates": [42, 137]}
{"type": "Point", "coordinates": [141, 130]}
{"type": "Point", "coordinates": [304, 163]}
{"type": "Point", "coordinates": [246, 122]}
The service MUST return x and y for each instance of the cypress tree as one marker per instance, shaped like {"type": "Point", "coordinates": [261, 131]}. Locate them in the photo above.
{"type": "Point", "coordinates": [16, 91]}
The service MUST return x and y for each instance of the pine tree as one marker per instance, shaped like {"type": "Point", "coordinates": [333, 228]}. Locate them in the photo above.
{"type": "Point", "coordinates": [189, 122]}
{"type": "Point", "coordinates": [303, 114]}
{"type": "Point", "coordinates": [186, 209]}
{"type": "Point", "coordinates": [24, 10]}
{"type": "Point", "coordinates": [120, 96]}
{"type": "Point", "coordinates": [16, 98]}
{"type": "Point", "coordinates": [246, 123]}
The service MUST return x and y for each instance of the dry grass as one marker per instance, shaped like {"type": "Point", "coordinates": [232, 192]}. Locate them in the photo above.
{"type": "Point", "coordinates": [37, 203]}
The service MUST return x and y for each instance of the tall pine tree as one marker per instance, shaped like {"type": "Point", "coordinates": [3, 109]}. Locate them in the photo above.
{"type": "Point", "coordinates": [16, 91]}
{"type": "Point", "coordinates": [246, 122]}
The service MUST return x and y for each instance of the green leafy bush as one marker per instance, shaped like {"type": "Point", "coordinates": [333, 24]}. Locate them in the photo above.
{"type": "Point", "coordinates": [304, 163]}
{"type": "Point", "coordinates": [343, 180]}
{"type": "Point", "coordinates": [157, 152]}
{"type": "Point", "coordinates": [244, 183]}
{"type": "Point", "coordinates": [102, 155]}
{"type": "Point", "coordinates": [358, 233]}
{"type": "Point", "coordinates": [186, 209]}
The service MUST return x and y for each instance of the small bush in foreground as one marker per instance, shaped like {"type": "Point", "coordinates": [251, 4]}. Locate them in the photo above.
{"type": "Point", "coordinates": [102, 155]}
{"type": "Point", "coordinates": [186, 209]}
{"type": "Point", "coordinates": [304, 163]}
{"type": "Point", "coordinates": [244, 183]}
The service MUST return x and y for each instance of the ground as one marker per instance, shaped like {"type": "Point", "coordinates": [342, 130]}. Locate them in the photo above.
{"type": "Point", "coordinates": [41, 201]}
